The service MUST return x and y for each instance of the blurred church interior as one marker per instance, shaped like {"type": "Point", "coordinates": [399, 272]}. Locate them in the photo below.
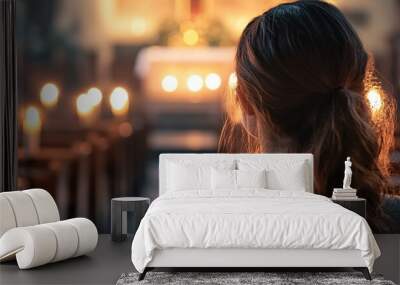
{"type": "Point", "coordinates": [107, 85]}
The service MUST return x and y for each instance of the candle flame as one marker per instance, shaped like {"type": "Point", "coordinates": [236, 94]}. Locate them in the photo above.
{"type": "Point", "coordinates": [213, 81]}
{"type": "Point", "coordinates": [119, 101]}
{"type": "Point", "coordinates": [49, 95]}
{"type": "Point", "coordinates": [32, 122]}
{"type": "Point", "coordinates": [194, 83]}
{"type": "Point", "coordinates": [95, 95]}
{"type": "Point", "coordinates": [190, 37]}
{"type": "Point", "coordinates": [169, 83]}
{"type": "Point", "coordinates": [84, 105]}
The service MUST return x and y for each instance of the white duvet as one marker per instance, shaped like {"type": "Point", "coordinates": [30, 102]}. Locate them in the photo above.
{"type": "Point", "coordinates": [250, 219]}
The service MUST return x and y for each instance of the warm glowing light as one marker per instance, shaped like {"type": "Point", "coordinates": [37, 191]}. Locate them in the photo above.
{"type": "Point", "coordinates": [232, 104]}
{"type": "Point", "coordinates": [213, 81]}
{"type": "Point", "coordinates": [190, 37]}
{"type": "Point", "coordinates": [194, 83]}
{"type": "Point", "coordinates": [239, 23]}
{"type": "Point", "coordinates": [333, 2]}
{"type": "Point", "coordinates": [32, 122]}
{"type": "Point", "coordinates": [169, 83]}
{"type": "Point", "coordinates": [125, 129]}
{"type": "Point", "coordinates": [233, 108]}
{"type": "Point", "coordinates": [95, 96]}
{"type": "Point", "coordinates": [232, 80]}
{"type": "Point", "coordinates": [84, 105]}
{"type": "Point", "coordinates": [139, 26]}
{"type": "Point", "coordinates": [236, 114]}
{"type": "Point", "coordinates": [49, 95]}
{"type": "Point", "coordinates": [119, 101]}
{"type": "Point", "coordinates": [375, 99]}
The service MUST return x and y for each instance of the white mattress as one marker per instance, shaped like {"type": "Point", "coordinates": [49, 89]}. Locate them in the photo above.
{"type": "Point", "coordinates": [253, 218]}
{"type": "Point", "coordinates": [255, 257]}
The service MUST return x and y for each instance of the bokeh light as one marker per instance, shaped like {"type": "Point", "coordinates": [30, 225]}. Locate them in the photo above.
{"type": "Point", "coordinates": [169, 83]}
{"type": "Point", "coordinates": [375, 99]}
{"type": "Point", "coordinates": [84, 105]}
{"type": "Point", "coordinates": [95, 95]}
{"type": "Point", "coordinates": [32, 121]}
{"type": "Point", "coordinates": [139, 26]}
{"type": "Point", "coordinates": [125, 129]}
{"type": "Point", "coordinates": [194, 83]}
{"type": "Point", "coordinates": [190, 37]}
{"type": "Point", "coordinates": [213, 81]}
{"type": "Point", "coordinates": [49, 95]}
{"type": "Point", "coordinates": [232, 80]}
{"type": "Point", "coordinates": [119, 101]}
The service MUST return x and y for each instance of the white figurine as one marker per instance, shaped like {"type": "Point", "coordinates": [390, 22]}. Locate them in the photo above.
{"type": "Point", "coordinates": [347, 174]}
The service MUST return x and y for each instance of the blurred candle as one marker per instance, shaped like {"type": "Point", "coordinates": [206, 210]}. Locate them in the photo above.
{"type": "Point", "coordinates": [190, 37]}
{"type": "Point", "coordinates": [194, 83]}
{"type": "Point", "coordinates": [49, 95]}
{"type": "Point", "coordinates": [32, 120]}
{"type": "Point", "coordinates": [32, 125]}
{"type": "Point", "coordinates": [84, 105]}
{"type": "Point", "coordinates": [119, 101]}
{"type": "Point", "coordinates": [213, 81]}
{"type": "Point", "coordinates": [169, 83]}
{"type": "Point", "coordinates": [95, 96]}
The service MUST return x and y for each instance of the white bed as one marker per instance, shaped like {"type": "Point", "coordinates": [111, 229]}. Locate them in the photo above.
{"type": "Point", "coordinates": [248, 227]}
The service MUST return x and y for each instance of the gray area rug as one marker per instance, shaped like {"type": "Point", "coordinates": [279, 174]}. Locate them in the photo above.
{"type": "Point", "coordinates": [232, 278]}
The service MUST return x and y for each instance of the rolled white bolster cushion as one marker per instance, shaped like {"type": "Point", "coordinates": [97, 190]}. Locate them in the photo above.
{"type": "Point", "coordinates": [7, 219]}
{"type": "Point", "coordinates": [23, 208]}
{"type": "Point", "coordinates": [41, 244]}
{"type": "Point", "coordinates": [26, 208]}
{"type": "Point", "coordinates": [87, 235]}
{"type": "Point", "coordinates": [33, 246]}
{"type": "Point", "coordinates": [45, 205]}
{"type": "Point", "coordinates": [66, 238]}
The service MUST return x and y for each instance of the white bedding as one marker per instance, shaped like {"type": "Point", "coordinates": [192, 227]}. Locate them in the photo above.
{"type": "Point", "coordinates": [251, 218]}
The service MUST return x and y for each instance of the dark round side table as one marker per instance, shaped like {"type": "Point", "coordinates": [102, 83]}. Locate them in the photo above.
{"type": "Point", "coordinates": [119, 208]}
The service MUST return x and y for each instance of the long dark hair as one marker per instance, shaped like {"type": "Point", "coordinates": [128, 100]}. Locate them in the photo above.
{"type": "Point", "coordinates": [302, 81]}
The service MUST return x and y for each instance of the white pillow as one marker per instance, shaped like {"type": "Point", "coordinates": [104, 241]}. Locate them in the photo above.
{"type": "Point", "coordinates": [251, 178]}
{"type": "Point", "coordinates": [290, 179]}
{"type": "Point", "coordinates": [281, 174]}
{"type": "Point", "coordinates": [227, 179]}
{"type": "Point", "coordinates": [188, 175]}
{"type": "Point", "coordinates": [223, 179]}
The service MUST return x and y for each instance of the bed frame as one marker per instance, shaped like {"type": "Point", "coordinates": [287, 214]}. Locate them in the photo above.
{"type": "Point", "coordinates": [249, 258]}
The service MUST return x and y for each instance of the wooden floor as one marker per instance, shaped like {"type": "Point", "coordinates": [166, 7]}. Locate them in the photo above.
{"type": "Point", "coordinates": [103, 266]}
{"type": "Point", "coordinates": [110, 259]}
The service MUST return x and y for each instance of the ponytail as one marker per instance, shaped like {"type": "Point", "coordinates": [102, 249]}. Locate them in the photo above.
{"type": "Point", "coordinates": [288, 77]}
{"type": "Point", "coordinates": [349, 131]}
